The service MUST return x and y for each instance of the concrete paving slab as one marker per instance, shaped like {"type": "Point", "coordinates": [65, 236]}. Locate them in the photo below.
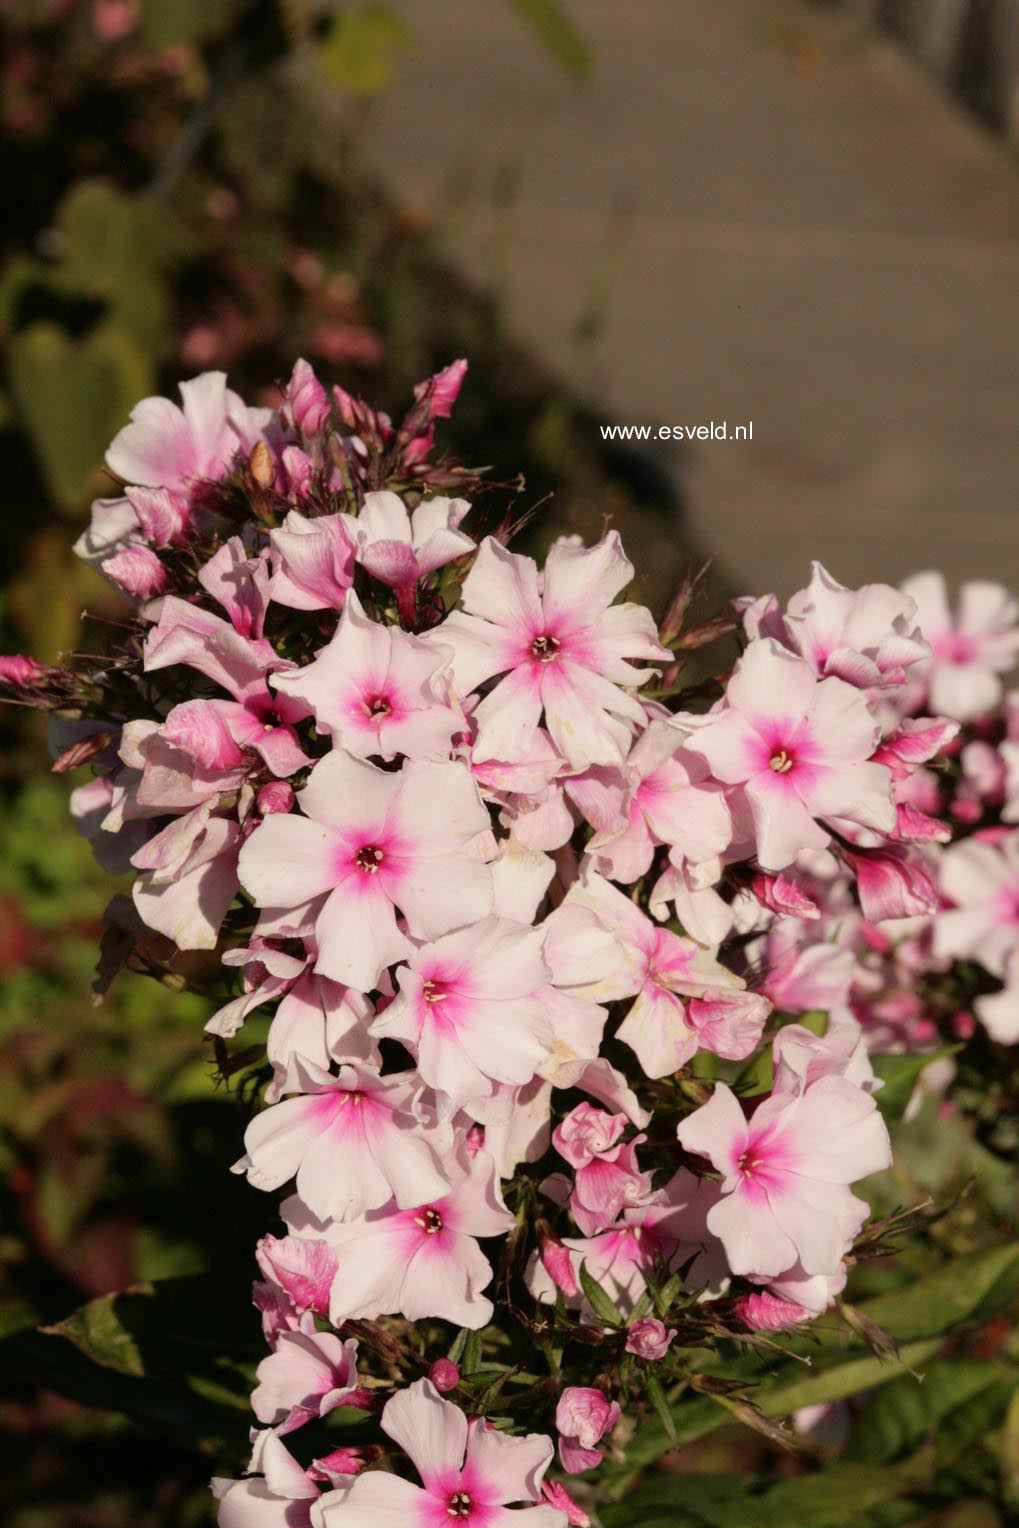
{"type": "Point", "coordinates": [751, 211]}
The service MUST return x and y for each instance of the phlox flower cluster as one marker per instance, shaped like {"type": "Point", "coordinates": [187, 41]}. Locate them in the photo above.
{"type": "Point", "coordinates": [538, 947]}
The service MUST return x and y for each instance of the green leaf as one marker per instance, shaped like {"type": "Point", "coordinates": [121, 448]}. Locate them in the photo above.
{"type": "Point", "coordinates": [598, 1299]}
{"type": "Point", "coordinates": [471, 1360]}
{"type": "Point", "coordinates": [656, 1395]}
{"type": "Point", "coordinates": [899, 1073]}
{"type": "Point", "coordinates": [99, 1332]}
{"type": "Point", "coordinates": [176, 1358]}
{"type": "Point", "coordinates": [971, 1288]}
{"type": "Point", "coordinates": [901, 1414]}
{"type": "Point", "coordinates": [73, 396]}
{"type": "Point", "coordinates": [840, 1494]}
{"type": "Point", "coordinates": [358, 52]}
{"type": "Point", "coordinates": [556, 30]}
{"type": "Point", "coordinates": [189, 21]}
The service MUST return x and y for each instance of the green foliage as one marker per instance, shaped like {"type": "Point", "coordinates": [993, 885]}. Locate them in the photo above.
{"type": "Point", "coordinates": [900, 1074]}
{"type": "Point", "coordinates": [834, 1365]}
{"type": "Point", "coordinates": [73, 396]}
{"type": "Point", "coordinates": [177, 1358]}
{"type": "Point", "coordinates": [359, 51]}
{"type": "Point", "coordinates": [187, 21]}
{"type": "Point", "coordinates": [555, 29]}
{"type": "Point", "coordinates": [838, 1496]}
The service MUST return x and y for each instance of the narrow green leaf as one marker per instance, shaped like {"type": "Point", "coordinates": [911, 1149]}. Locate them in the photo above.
{"type": "Point", "coordinates": [97, 1329]}
{"type": "Point", "coordinates": [556, 30]}
{"type": "Point", "coordinates": [471, 1353]}
{"type": "Point", "coordinates": [598, 1299]}
{"type": "Point", "coordinates": [899, 1073]}
{"type": "Point", "coordinates": [656, 1395]}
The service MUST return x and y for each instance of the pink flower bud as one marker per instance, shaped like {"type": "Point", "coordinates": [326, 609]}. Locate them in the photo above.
{"type": "Point", "coordinates": [275, 797]}
{"type": "Point", "coordinates": [342, 1462]}
{"type": "Point", "coordinates": [963, 1025]}
{"type": "Point", "coordinates": [582, 1417]}
{"type": "Point", "coordinates": [306, 399]}
{"type": "Point", "coordinates": [444, 1375]}
{"type": "Point", "coordinates": [556, 1494]}
{"type": "Point", "coordinates": [765, 1312]}
{"type": "Point", "coordinates": [303, 1267]}
{"type": "Point", "coordinates": [21, 673]}
{"type": "Point", "coordinates": [892, 883]}
{"type": "Point", "coordinates": [138, 571]}
{"type": "Point", "coordinates": [443, 389]}
{"type": "Point", "coordinates": [558, 1265]}
{"type": "Point", "coordinates": [649, 1339]}
{"type": "Point", "coordinates": [780, 895]}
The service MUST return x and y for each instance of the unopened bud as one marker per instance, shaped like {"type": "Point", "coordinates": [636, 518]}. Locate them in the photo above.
{"type": "Point", "coordinates": [444, 1375]}
{"type": "Point", "coordinates": [260, 465]}
{"type": "Point", "coordinates": [275, 797]}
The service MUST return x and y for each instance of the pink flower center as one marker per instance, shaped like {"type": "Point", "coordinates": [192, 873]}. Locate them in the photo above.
{"type": "Point", "coordinates": [748, 1163]}
{"type": "Point", "coordinates": [954, 647]}
{"type": "Point", "coordinates": [781, 761]}
{"type": "Point", "coordinates": [354, 1098]}
{"type": "Point", "coordinates": [459, 1504]}
{"type": "Point", "coordinates": [368, 859]}
{"type": "Point", "coordinates": [378, 705]}
{"type": "Point", "coordinates": [545, 648]}
{"type": "Point", "coordinates": [434, 992]}
{"type": "Point", "coordinates": [430, 1221]}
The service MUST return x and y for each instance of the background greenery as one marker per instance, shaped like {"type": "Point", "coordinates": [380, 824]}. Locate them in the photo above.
{"type": "Point", "coordinates": [182, 192]}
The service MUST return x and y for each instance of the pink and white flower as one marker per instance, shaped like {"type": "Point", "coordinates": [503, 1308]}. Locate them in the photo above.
{"type": "Point", "coordinates": [972, 648]}
{"type": "Point", "coordinates": [351, 1142]}
{"type": "Point", "coordinates": [649, 1339]}
{"type": "Point", "coordinates": [562, 645]}
{"type": "Point", "coordinates": [601, 946]}
{"type": "Point", "coordinates": [164, 454]}
{"type": "Point", "coordinates": [468, 1471]}
{"type": "Point", "coordinates": [669, 801]}
{"type": "Point", "coordinates": [313, 562]}
{"type": "Point", "coordinates": [980, 881]}
{"type": "Point", "coordinates": [217, 732]}
{"type": "Point", "coordinates": [470, 1009]}
{"type": "Point", "coordinates": [583, 1417]}
{"type": "Point", "coordinates": [277, 1494]}
{"type": "Point", "coordinates": [422, 1262]}
{"type": "Point", "coordinates": [308, 1375]}
{"type": "Point", "coordinates": [799, 749]}
{"type": "Point", "coordinates": [870, 637]}
{"type": "Point", "coordinates": [377, 690]}
{"type": "Point", "coordinates": [370, 842]}
{"type": "Point", "coordinates": [786, 1171]}
{"type": "Point", "coordinates": [607, 1178]}
{"type": "Point", "coordinates": [998, 1012]}
{"type": "Point", "coordinates": [400, 547]}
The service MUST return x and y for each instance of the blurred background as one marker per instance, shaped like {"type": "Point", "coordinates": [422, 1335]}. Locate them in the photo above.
{"type": "Point", "coordinates": [797, 216]}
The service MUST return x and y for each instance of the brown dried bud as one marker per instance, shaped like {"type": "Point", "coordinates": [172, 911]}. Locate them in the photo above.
{"type": "Point", "coordinates": [260, 465]}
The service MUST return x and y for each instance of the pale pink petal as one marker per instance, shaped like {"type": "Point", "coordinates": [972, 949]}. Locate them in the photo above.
{"type": "Point", "coordinates": [431, 1431]}
{"type": "Point", "coordinates": [288, 860]}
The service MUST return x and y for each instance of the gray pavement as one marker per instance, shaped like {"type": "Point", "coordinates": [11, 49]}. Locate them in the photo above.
{"type": "Point", "coordinates": [756, 212]}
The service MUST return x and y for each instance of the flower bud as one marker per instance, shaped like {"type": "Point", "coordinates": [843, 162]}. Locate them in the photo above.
{"type": "Point", "coordinates": [275, 797]}
{"type": "Point", "coordinates": [19, 673]}
{"type": "Point", "coordinates": [444, 1375]}
{"type": "Point", "coordinates": [556, 1494]}
{"type": "Point", "coordinates": [582, 1417]}
{"type": "Point", "coordinates": [138, 571]}
{"type": "Point", "coordinates": [558, 1263]}
{"type": "Point", "coordinates": [307, 400]}
{"type": "Point", "coordinates": [648, 1339]}
{"type": "Point", "coordinates": [765, 1312]}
